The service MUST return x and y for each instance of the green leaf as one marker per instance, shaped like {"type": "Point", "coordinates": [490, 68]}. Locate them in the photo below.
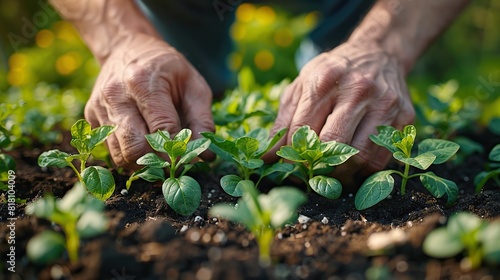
{"type": "Point", "coordinates": [152, 160]}
{"type": "Point", "coordinates": [193, 149]}
{"type": "Point", "coordinates": [74, 197]}
{"type": "Point", "coordinates": [184, 135]}
{"type": "Point", "coordinates": [281, 204]}
{"type": "Point", "coordinates": [311, 155]}
{"type": "Point", "coordinates": [267, 145]}
{"type": "Point", "coordinates": [483, 177]}
{"type": "Point", "coordinates": [147, 173]}
{"type": "Point", "coordinates": [289, 153]}
{"type": "Point", "coordinates": [442, 149]}
{"type": "Point", "coordinates": [53, 158]}
{"type": "Point", "coordinates": [42, 208]}
{"type": "Point", "coordinates": [494, 126]}
{"type": "Point", "coordinates": [223, 148]}
{"type": "Point", "coordinates": [238, 214]}
{"type": "Point", "coordinates": [252, 163]}
{"type": "Point", "coordinates": [231, 184]}
{"type": "Point", "coordinates": [441, 244]}
{"type": "Point", "coordinates": [99, 135]}
{"type": "Point", "coordinates": [404, 140]}
{"type": "Point", "coordinates": [326, 186]}
{"type": "Point", "coordinates": [489, 238]}
{"type": "Point", "coordinates": [175, 148]}
{"type": "Point", "coordinates": [260, 134]}
{"type": "Point", "coordinates": [422, 161]}
{"type": "Point", "coordinates": [99, 182]}
{"type": "Point", "coordinates": [7, 163]}
{"type": "Point", "coordinates": [384, 138]}
{"type": "Point", "coordinates": [305, 138]}
{"type": "Point", "coordinates": [81, 134]}
{"type": "Point", "coordinates": [279, 167]}
{"type": "Point", "coordinates": [438, 186]}
{"type": "Point", "coordinates": [463, 223]}
{"type": "Point", "coordinates": [4, 137]}
{"type": "Point", "coordinates": [45, 247]}
{"type": "Point", "coordinates": [495, 153]}
{"type": "Point", "coordinates": [91, 223]}
{"type": "Point", "coordinates": [335, 153]}
{"type": "Point", "coordinates": [182, 194]}
{"type": "Point", "coordinates": [157, 141]}
{"type": "Point", "coordinates": [375, 189]}
{"type": "Point", "coordinates": [247, 145]}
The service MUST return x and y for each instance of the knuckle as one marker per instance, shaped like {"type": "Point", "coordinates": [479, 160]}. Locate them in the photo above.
{"type": "Point", "coordinates": [361, 88]}
{"type": "Point", "coordinates": [329, 135]}
{"type": "Point", "coordinates": [111, 92]}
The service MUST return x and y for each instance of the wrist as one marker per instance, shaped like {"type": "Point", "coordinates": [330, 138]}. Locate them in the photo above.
{"type": "Point", "coordinates": [382, 31]}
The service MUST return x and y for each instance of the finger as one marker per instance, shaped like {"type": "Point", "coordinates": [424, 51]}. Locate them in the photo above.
{"type": "Point", "coordinates": [127, 143]}
{"type": "Point", "coordinates": [154, 98]}
{"type": "Point", "coordinates": [351, 106]}
{"type": "Point", "coordinates": [288, 104]}
{"type": "Point", "coordinates": [197, 110]}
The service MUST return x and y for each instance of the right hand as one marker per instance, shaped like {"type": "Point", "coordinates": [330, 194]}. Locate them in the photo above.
{"type": "Point", "coordinates": [146, 85]}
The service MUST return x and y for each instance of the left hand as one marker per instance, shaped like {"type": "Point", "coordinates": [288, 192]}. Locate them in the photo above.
{"type": "Point", "coordinates": [344, 94]}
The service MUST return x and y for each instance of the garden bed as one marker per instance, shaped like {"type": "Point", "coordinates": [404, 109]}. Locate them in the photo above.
{"type": "Point", "coordinates": [147, 240]}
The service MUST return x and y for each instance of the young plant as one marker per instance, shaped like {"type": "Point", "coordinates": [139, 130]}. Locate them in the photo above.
{"type": "Point", "coordinates": [467, 233]}
{"type": "Point", "coordinates": [6, 134]}
{"type": "Point", "coordinates": [262, 214]}
{"type": "Point", "coordinates": [246, 150]}
{"type": "Point", "coordinates": [98, 180]}
{"type": "Point", "coordinates": [483, 177]}
{"type": "Point", "coordinates": [400, 143]}
{"type": "Point", "coordinates": [314, 158]}
{"type": "Point", "coordinates": [78, 214]}
{"type": "Point", "coordinates": [182, 193]}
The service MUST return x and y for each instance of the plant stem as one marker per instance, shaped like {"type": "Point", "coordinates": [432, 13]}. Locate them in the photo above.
{"type": "Point", "coordinates": [264, 238]}
{"type": "Point", "coordinates": [405, 179]}
{"type": "Point", "coordinates": [76, 172]}
{"type": "Point", "coordinates": [172, 167]}
{"type": "Point", "coordinates": [72, 241]}
{"type": "Point", "coordinates": [311, 175]}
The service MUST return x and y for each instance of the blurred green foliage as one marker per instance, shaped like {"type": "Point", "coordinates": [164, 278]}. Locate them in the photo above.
{"type": "Point", "coordinates": [455, 84]}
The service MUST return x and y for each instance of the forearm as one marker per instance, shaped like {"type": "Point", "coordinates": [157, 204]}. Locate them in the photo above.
{"type": "Point", "coordinates": [104, 24]}
{"type": "Point", "coordinates": [405, 28]}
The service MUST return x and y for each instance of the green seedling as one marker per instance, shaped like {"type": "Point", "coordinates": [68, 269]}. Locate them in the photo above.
{"type": "Point", "coordinates": [467, 233]}
{"type": "Point", "coordinates": [314, 158]}
{"type": "Point", "coordinates": [182, 193]}
{"type": "Point", "coordinates": [6, 134]}
{"type": "Point", "coordinates": [494, 174]}
{"type": "Point", "coordinates": [98, 180]}
{"type": "Point", "coordinates": [246, 150]}
{"type": "Point", "coordinates": [78, 214]}
{"type": "Point", "coordinates": [262, 214]}
{"type": "Point", "coordinates": [430, 151]}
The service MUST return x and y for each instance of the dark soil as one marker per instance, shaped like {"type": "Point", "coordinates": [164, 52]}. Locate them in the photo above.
{"type": "Point", "coordinates": [147, 240]}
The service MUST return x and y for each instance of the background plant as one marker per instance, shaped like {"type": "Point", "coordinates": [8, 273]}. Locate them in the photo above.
{"type": "Point", "coordinates": [7, 137]}
{"type": "Point", "coordinates": [314, 158]}
{"type": "Point", "coordinates": [246, 151]}
{"type": "Point", "coordinates": [467, 233]}
{"type": "Point", "coordinates": [98, 180]}
{"type": "Point", "coordinates": [400, 143]}
{"type": "Point", "coordinates": [493, 172]}
{"type": "Point", "coordinates": [182, 193]}
{"type": "Point", "coordinates": [78, 214]}
{"type": "Point", "coordinates": [262, 214]}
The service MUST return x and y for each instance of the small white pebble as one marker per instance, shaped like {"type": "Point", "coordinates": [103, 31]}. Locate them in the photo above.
{"type": "Point", "coordinates": [184, 228]}
{"type": "Point", "coordinates": [280, 236]}
{"type": "Point", "coordinates": [350, 195]}
{"type": "Point", "coordinates": [303, 219]}
{"type": "Point", "coordinates": [324, 220]}
{"type": "Point", "coordinates": [124, 192]}
{"type": "Point", "coordinates": [214, 219]}
{"type": "Point", "coordinates": [304, 226]}
{"type": "Point", "coordinates": [198, 219]}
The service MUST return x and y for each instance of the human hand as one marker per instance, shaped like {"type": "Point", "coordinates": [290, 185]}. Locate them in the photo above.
{"type": "Point", "coordinates": [146, 85]}
{"type": "Point", "coordinates": [344, 95]}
